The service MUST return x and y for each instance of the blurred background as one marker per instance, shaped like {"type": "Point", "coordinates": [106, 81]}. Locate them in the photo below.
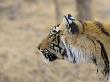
{"type": "Point", "coordinates": [23, 25]}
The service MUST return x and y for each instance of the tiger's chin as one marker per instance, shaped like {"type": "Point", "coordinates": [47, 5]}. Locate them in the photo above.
{"type": "Point", "coordinates": [47, 58]}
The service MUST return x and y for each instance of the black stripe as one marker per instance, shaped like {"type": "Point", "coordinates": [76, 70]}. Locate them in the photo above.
{"type": "Point", "coordinates": [71, 54]}
{"type": "Point", "coordinates": [64, 53]}
{"type": "Point", "coordinates": [73, 57]}
{"type": "Point", "coordinates": [57, 25]}
{"type": "Point", "coordinates": [100, 26]}
{"type": "Point", "coordinates": [58, 39]}
{"type": "Point", "coordinates": [91, 40]}
{"type": "Point", "coordinates": [74, 27]}
{"type": "Point", "coordinates": [105, 58]}
{"type": "Point", "coordinates": [56, 44]}
{"type": "Point", "coordinates": [94, 58]}
{"type": "Point", "coordinates": [66, 19]}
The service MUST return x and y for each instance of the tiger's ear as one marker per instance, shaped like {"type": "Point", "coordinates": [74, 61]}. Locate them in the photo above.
{"type": "Point", "coordinates": [69, 22]}
{"type": "Point", "coordinates": [68, 19]}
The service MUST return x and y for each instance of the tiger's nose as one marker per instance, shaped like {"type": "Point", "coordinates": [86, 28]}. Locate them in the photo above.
{"type": "Point", "coordinates": [39, 46]}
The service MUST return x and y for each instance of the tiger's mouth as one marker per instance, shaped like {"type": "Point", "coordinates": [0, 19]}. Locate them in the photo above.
{"type": "Point", "coordinates": [48, 55]}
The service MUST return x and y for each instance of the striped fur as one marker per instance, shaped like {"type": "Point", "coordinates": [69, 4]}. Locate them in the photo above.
{"type": "Point", "coordinates": [79, 41]}
{"type": "Point", "coordinates": [91, 43]}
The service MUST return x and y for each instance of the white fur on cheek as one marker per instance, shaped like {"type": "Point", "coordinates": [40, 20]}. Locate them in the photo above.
{"type": "Point", "coordinates": [81, 55]}
{"type": "Point", "coordinates": [76, 54]}
{"type": "Point", "coordinates": [69, 58]}
{"type": "Point", "coordinates": [44, 59]}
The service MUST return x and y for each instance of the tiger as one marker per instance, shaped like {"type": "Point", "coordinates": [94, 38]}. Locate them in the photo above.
{"type": "Point", "coordinates": [79, 41]}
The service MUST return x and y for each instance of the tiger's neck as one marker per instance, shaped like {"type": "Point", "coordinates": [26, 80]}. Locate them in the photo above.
{"type": "Point", "coordinates": [77, 55]}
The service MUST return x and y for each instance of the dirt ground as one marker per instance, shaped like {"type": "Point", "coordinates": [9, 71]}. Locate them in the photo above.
{"type": "Point", "coordinates": [20, 60]}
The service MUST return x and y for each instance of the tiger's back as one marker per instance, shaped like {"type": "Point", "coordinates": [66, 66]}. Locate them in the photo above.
{"type": "Point", "coordinates": [99, 31]}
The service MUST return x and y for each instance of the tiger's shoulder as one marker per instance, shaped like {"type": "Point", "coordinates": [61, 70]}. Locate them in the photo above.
{"type": "Point", "coordinates": [100, 31]}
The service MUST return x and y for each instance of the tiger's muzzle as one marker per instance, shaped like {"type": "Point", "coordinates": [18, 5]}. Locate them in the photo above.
{"type": "Point", "coordinates": [48, 55]}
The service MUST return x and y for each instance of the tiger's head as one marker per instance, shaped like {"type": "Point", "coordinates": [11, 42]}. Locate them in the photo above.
{"type": "Point", "coordinates": [52, 47]}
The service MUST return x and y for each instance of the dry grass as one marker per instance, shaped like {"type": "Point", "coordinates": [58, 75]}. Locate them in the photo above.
{"type": "Point", "coordinates": [19, 59]}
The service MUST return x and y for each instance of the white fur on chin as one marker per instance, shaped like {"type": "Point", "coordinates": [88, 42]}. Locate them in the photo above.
{"type": "Point", "coordinates": [45, 60]}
